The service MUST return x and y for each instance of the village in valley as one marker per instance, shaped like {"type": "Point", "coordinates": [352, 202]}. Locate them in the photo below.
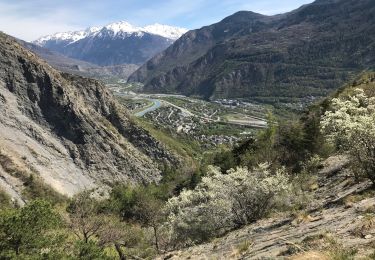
{"type": "Point", "coordinates": [211, 123]}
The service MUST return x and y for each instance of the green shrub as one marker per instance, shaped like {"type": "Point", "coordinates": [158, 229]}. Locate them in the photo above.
{"type": "Point", "coordinates": [89, 251]}
{"type": "Point", "coordinates": [35, 188]}
{"type": "Point", "coordinates": [291, 144]}
{"type": "Point", "coordinates": [5, 200]}
{"type": "Point", "coordinates": [29, 230]}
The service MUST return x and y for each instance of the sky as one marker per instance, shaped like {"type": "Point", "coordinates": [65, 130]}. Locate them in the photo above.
{"type": "Point", "coordinates": [31, 19]}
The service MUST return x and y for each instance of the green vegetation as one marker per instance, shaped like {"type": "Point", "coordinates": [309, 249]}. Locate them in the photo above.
{"type": "Point", "coordinates": [219, 128]}
{"type": "Point", "coordinates": [202, 108]}
{"type": "Point", "coordinates": [185, 147]}
{"type": "Point", "coordinates": [350, 126]}
{"type": "Point", "coordinates": [284, 62]}
{"type": "Point", "coordinates": [212, 194]}
{"type": "Point", "coordinates": [222, 202]}
{"type": "Point", "coordinates": [283, 143]}
{"type": "Point", "coordinates": [5, 201]}
{"type": "Point", "coordinates": [27, 231]}
{"type": "Point", "coordinates": [34, 188]}
{"type": "Point", "coordinates": [135, 105]}
{"type": "Point", "coordinates": [37, 189]}
{"type": "Point", "coordinates": [119, 86]}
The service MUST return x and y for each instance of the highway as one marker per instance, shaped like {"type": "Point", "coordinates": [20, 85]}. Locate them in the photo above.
{"type": "Point", "coordinates": [156, 105]}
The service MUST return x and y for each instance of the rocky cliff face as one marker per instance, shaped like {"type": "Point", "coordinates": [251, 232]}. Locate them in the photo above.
{"type": "Point", "coordinates": [307, 52]}
{"type": "Point", "coordinates": [66, 130]}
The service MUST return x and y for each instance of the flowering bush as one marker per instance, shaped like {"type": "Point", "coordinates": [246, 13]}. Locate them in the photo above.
{"type": "Point", "coordinates": [224, 201]}
{"type": "Point", "coordinates": [351, 127]}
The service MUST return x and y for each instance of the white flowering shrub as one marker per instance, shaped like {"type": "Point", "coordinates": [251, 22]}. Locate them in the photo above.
{"type": "Point", "coordinates": [224, 201]}
{"type": "Point", "coordinates": [351, 127]}
{"type": "Point", "coordinates": [252, 194]}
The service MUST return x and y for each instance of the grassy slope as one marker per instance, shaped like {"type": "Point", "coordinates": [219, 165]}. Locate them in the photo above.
{"type": "Point", "coordinates": [188, 150]}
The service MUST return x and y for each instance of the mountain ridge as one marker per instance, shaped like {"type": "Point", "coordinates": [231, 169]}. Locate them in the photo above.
{"type": "Point", "coordinates": [79, 67]}
{"type": "Point", "coordinates": [167, 31]}
{"type": "Point", "coordinates": [67, 131]}
{"type": "Point", "coordinates": [297, 54]}
{"type": "Point", "coordinates": [114, 44]}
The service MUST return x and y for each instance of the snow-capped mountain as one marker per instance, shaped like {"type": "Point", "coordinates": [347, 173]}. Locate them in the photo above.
{"type": "Point", "coordinates": [121, 27]}
{"type": "Point", "coordinates": [115, 43]}
{"type": "Point", "coordinates": [67, 36]}
{"type": "Point", "coordinates": [166, 31]}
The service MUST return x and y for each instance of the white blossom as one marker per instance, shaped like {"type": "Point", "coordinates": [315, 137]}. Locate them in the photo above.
{"type": "Point", "coordinates": [351, 127]}
{"type": "Point", "coordinates": [223, 201]}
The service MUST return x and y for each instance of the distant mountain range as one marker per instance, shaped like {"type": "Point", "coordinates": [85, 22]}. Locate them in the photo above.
{"type": "Point", "coordinates": [114, 44]}
{"type": "Point", "coordinates": [79, 67]}
{"type": "Point", "coordinates": [306, 52]}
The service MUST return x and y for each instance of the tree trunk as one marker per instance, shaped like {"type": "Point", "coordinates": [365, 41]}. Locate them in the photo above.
{"type": "Point", "coordinates": [119, 252]}
{"type": "Point", "coordinates": [156, 239]}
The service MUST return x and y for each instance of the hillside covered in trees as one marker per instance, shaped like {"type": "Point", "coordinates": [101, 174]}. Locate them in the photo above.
{"type": "Point", "coordinates": [310, 51]}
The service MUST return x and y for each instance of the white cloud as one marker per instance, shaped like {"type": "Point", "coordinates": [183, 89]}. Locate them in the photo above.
{"type": "Point", "coordinates": [31, 27]}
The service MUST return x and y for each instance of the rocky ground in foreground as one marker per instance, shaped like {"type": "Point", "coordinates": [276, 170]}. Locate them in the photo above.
{"type": "Point", "coordinates": [339, 220]}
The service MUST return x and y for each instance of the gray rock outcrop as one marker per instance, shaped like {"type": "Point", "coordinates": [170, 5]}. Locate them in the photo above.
{"type": "Point", "coordinates": [67, 130]}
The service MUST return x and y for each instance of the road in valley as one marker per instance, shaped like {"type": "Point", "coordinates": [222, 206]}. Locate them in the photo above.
{"type": "Point", "coordinates": [156, 105]}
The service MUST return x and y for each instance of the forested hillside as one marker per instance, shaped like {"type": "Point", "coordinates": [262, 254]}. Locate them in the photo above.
{"type": "Point", "coordinates": [308, 52]}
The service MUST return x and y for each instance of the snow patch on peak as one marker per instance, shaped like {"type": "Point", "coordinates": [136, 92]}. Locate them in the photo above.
{"type": "Point", "coordinates": [69, 37]}
{"type": "Point", "coordinates": [93, 29]}
{"type": "Point", "coordinates": [121, 26]}
{"type": "Point", "coordinates": [165, 30]}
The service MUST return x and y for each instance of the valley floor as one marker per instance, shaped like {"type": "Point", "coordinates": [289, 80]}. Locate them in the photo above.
{"type": "Point", "coordinates": [341, 217]}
